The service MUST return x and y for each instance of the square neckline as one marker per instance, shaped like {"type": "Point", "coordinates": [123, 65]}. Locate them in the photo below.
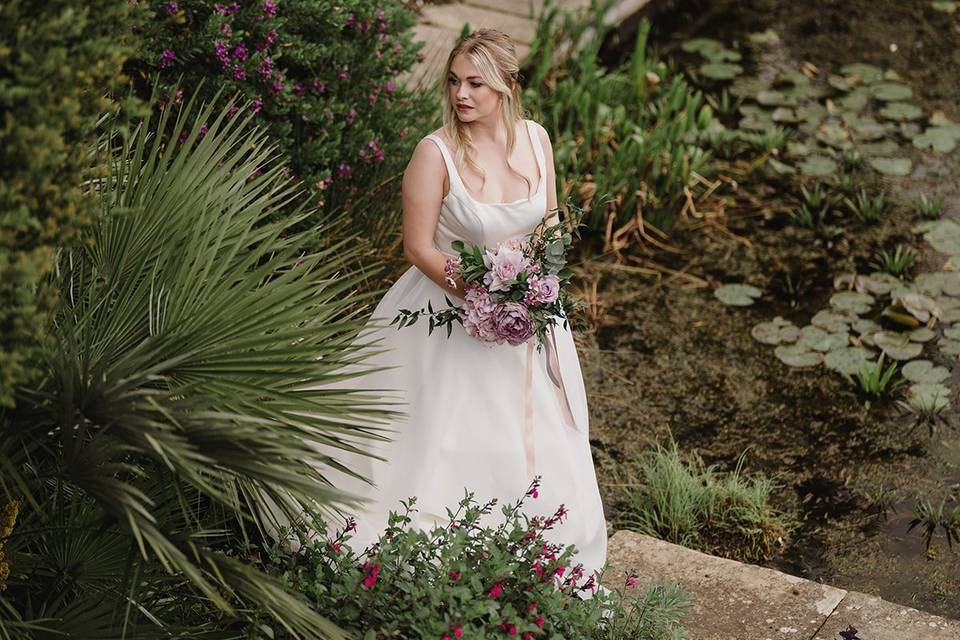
{"type": "Point", "coordinates": [452, 168]}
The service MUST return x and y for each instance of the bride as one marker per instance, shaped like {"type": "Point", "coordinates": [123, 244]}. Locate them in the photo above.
{"type": "Point", "coordinates": [482, 417]}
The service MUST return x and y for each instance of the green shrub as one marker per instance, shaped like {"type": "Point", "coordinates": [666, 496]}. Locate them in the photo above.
{"type": "Point", "coordinates": [321, 75]}
{"type": "Point", "coordinates": [474, 580]}
{"type": "Point", "coordinates": [682, 500]}
{"type": "Point", "coordinates": [625, 140]}
{"type": "Point", "coordinates": [184, 384]}
{"type": "Point", "coordinates": [59, 59]}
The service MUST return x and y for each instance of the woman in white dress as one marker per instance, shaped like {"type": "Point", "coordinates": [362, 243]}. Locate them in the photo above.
{"type": "Point", "coordinates": [488, 418]}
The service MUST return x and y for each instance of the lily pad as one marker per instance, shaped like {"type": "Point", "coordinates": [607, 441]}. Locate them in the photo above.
{"type": "Point", "coordinates": [920, 306]}
{"type": "Point", "coordinates": [865, 72]}
{"type": "Point", "coordinates": [768, 36]}
{"type": "Point", "coordinates": [866, 128]}
{"type": "Point", "coordinates": [946, 6]}
{"type": "Point", "coordinates": [839, 83]}
{"type": "Point", "coordinates": [882, 148]}
{"type": "Point", "coordinates": [910, 130]}
{"type": "Point", "coordinates": [831, 321]}
{"type": "Point", "coordinates": [747, 87]}
{"type": "Point", "coordinates": [847, 360]}
{"type": "Point", "coordinates": [785, 114]}
{"type": "Point", "coordinates": [890, 91]}
{"type": "Point", "coordinates": [737, 295]}
{"type": "Point", "coordinates": [777, 331]}
{"type": "Point", "coordinates": [892, 166]}
{"type": "Point", "coordinates": [833, 135]}
{"type": "Point", "coordinates": [798, 149]}
{"type": "Point", "coordinates": [937, 138]}
{"type": "Point", "coordinates": [771, 98]}
{"type": "Point", "coordinates": [901, 111]}
{"type": "Point", "coordinates": [922, 334]}
{"type": "Point", "coordinates": [701, 45]}
{"type": "Point", "coordinates": [781, 167]}
{"type": "Point", "coordinates": [818, 166]}
{"type": "Point", "coordinates": [924, 371]}
{"type": "Point", "coordinates": [865, 327]}
{"type": "Point", "coordinates": [933, 396]}
{"type": "Point", "coordinates": [944, 236]}
{"type": "Point", "coordinates": [721, 70]}
{"type": "Point", "coordinates": [855, 100]}
{"type": "Point", "coordinates": [949, 347]}
{"type": "Point", "coordinates": [852, 302]}
{"type": "Point", "coordinates": [897, 345]}
{"type": "Point", "coordinates": [952, 333]}
{"type": "Point", "coordinates": [796, 355]}
{"type": "Point", "coordinates": [816, 339]}
{"type": "Point", "coordinates": [881, 283]}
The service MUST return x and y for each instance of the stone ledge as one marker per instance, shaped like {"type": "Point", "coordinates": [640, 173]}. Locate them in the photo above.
{"type": "Point", "coordinates": [735, 601]}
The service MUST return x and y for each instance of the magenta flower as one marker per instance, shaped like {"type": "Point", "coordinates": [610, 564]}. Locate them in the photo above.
{"type": "Point", "coordinates": [318, 87]}
{"type": "Point", "coordinates": [226, 10]}
{"type": "Point", "coordinates": [631, 581]}
{"type": "Point", "coordinates": [239, 73]}
{"type": "Point", "coordinates": [276, 87]}
{"type": "Point", "coordinates": [391, 87]}
{"type": "Point", "coordinates": [226, 29]}
{"type": "Point", "coordinates": [496, 591]}
{"type": "Point", "coordinates": [513, 323]}
{"type": "Point", "coordinates": [344, 74]}
{"type": "Point", "coordinates": [351, 116]}
{"type": "Point", "coordinates": [240, 52]}
{"type": "Point", "coordinates": [167, 58]}
{"type": "Point", "coordinates": [372, 570]}
{"type": "Point", "coordinates": [171, 7]}
{"type": "Point", "coordinates": [344, 170]}
{"type": "Point", "coordinates": [256, 105]}
{"type": "Point", "coordinates": [269, 8]}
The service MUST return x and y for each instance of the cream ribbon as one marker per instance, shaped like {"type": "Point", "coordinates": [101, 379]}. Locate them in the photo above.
{"type": "Point", "coordinates": [553, 373]}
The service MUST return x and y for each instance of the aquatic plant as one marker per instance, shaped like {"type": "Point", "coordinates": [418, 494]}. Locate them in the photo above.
{"type": "Point", "coordinates": [882, 499]}
{"type": "Point", "coordinates": [816, 197]}
{"type": "Point", "coordinates": [930, 519]}
{"type": "Point", "coordinates": [896, 263]}
{"type": "Point", "coordinates": [724, 103]}
{"type": "Point", "coordinates": [930, 207]}
{"type": "Point", "coordinates": [805, 216]}
{"type": "Point", "coordinates": [680, 499]}
{"type": "Point", "coordinates": [867, 208]}
{"type": "Point", "coordinates": [926, 402]}
{"type": "Point", "coordinates": [845, 182]}
{"type": "Point", "coordinates": [875, 380]}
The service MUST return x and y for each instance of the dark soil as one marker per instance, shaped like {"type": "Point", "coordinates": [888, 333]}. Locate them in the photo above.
{"type": "Point", "coordinates": [665, 357]}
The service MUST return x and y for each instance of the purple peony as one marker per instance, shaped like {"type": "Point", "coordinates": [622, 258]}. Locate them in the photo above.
{"type": "Point", "coordinates": [545, 290]}
{"type": "Point", "coordinates": [513, 323]}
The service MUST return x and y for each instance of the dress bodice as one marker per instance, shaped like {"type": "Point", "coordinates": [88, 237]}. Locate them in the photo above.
{"type": "Point", "coordinates": [484, 223]}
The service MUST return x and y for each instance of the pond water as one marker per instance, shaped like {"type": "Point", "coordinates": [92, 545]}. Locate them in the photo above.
{"type": "Point", "coordinates": [666, 357]}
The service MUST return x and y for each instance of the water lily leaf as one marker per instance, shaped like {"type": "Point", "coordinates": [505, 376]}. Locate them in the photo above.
{"type": "Point", "coordinates": [781, 167]}
{"type": "Point", "coordinates": [833, 135]}
{"type": "Point", "coordinates": [929, 396]}
{"type": "Point", "coordinates": [852, 302]}
{"type": "Point", "coordinates": [839, 83]}
{"type": "Point", "coordinates": [771, 98]}
{"type": "Point", "coordinates": [847, 360]}
{"type": "Point", "coordinates": [812, 112]}
{"type": "Point", "coordinates": [865, 327]}
{"type": "Point", "coordinates": [831, 321]}
{"type": "Point", "coordinates": [924, 371]}
{"type": "Point", "coordinates": [798, 149]}
{"type": "Point", "coordinates": [817, 339]}
{"type": "Point", "coordinates": [756, 122]}
{"type": "Point", "coordinates": [855, 101]}
{"type": "Point", "coordinates": [865, 72]}
{"type": "Point", "coordinates": [882, 148]}
{"type": "Point", "coordinates": [747, 87]}
{"type": "Point", "coordinates": [940, 119]}
{"type": "Point", "coordinates": [721, 70]}
{"type": "Point", "coordinates": [737, 295]}
{"type": "Point", "coordinates": [910, 130]}
{"type": "Point", "coordinates": [937, 282]}
{"type": "Point", "coordinates": [920, 306]}
{"type": "Point", "coordinates": [952, 333]}
{"type": "Point", "coordinates": [937, 138]}
{"type": "Point", "coordinates": [943, 235]}
{"type": "Point", "coordinates": [751, 110]}
{"type": "Point", "coordinates": [946, 6]}
{"type": "Point", "coordinates": [890, 91]}
{"type": "Point", "coordinates": [785, 114]}
{"type": "Point", "coordinates": [880, 283]}
{"type": "Point", "coordinates": [949, 347]}
{"type": "Point", "coordinates": [796, 355]}
{"type": "Point", "coordinates": [767, 36]}
{"type": "Point", "coordinates": [722, 55]}
{"type": "Point", "coordinates": [901, 111]}
{"type": "Point", "coordinates": [777, 331]}
{"type": "Point", "coordinates": [892, 166]}
{"type": "Point", "coordinates": [819, 166]}
{"type": "Point", "coordinates": [701, 45]}
{"type": "Point", "coordinates": [922, 334]}
{"type": "Point", "coordinates": [897, 345]}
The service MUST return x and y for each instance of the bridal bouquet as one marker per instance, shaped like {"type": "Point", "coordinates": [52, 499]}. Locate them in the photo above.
{"type": "Point", "coordinates": [513, 291]}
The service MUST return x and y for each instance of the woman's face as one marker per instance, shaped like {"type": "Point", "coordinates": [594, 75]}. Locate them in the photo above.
{"type": "Point", "coordinates": [472, 98]}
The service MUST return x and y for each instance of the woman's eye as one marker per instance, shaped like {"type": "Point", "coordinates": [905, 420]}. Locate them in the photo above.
{"type": "Point", "coordinates": [475, 84]}
{"type": "Point", "coordinates": [452, 80]}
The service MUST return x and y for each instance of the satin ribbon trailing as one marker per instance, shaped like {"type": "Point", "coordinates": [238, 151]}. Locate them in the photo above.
{"type": "Point", "coordinates": [553, 373]}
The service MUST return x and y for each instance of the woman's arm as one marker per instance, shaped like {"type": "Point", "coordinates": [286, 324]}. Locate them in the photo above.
{"type": "Point", "coordinates": [422, 196]}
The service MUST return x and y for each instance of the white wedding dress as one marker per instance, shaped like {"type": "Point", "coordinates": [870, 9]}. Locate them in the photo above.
{"type": "Point", "coordinates": [488, 418]}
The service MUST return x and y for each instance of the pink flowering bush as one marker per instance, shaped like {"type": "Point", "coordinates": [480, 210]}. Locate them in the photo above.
{"type": "Point", "coordinates": [472, 579]}
{"type": "Point", "coordinates": [320, 75]}
{"type": "Point", "coordinates": [512, 292]}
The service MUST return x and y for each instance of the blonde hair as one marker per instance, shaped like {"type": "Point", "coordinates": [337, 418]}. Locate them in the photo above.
{"type": "Point", "coordinates": [493, 54]}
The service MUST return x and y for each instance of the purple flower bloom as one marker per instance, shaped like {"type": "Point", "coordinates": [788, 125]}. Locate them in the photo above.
{"type": "Point", "coordinates": [318, 87]}
{"type": "Point", "coordinates": [513, 323]}
{"type": "Point", "coordinates": [299, 89]}
{"type": "Point", "coordinates": [239, 73]}
{"type": "Point", "coordinates": [350, 21]}
{"type": "Point", "coordinates": [232, 110]}
{"type": "Point", "coordinates": [391, 87]}
{"type": "Point", "coordinates": [226, 10]}
{"type": "Point", "coordinates": [478, 314]}
{"type": "Point", "coordinates": [276, 87]}
{"type": "Point", "coordinates": [203, 131]}
{"type": "Point", "coordinates": [256, 105]}
{"type": "Point", "coordinates": [344, 74]}
{"type": "Point", "coordinates": [344, 170]}
{"type": "Point", "coordinates": [171, 7]}
{"type": "Point", "coordinates": [240, 52]}
{"type": "Point", "coordinates": [178, 96]}
{"type": "Point", "coordinates": [545, 290]}
{"type": "Point", "coordinates": [167, 58]}
{"type": "Point", "coordinates": [226, 29]}
{"type": "Point", "coordinates": [266, 69]}
{"type": "Point", "coordinates": [269, 8]}
{"type": "Point", "coordinates": [504, 265]}
{"type": "Point", "coordinates": [351, 116]}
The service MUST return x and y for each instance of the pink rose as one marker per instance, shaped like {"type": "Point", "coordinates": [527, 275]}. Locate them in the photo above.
{"type": "Point", "coordinates": [545, 290]}
{"type": "Point", "coordinates": [504, 265]}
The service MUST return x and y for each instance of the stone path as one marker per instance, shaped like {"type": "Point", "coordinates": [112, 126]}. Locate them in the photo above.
{"type": "Point", "coordinates": [735, 601]}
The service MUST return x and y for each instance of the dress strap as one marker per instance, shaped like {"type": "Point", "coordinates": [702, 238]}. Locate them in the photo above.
{"type": "Point", "coordinates": [537, 150]}
{"type": "Point", "coordinates": [452, 174]}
